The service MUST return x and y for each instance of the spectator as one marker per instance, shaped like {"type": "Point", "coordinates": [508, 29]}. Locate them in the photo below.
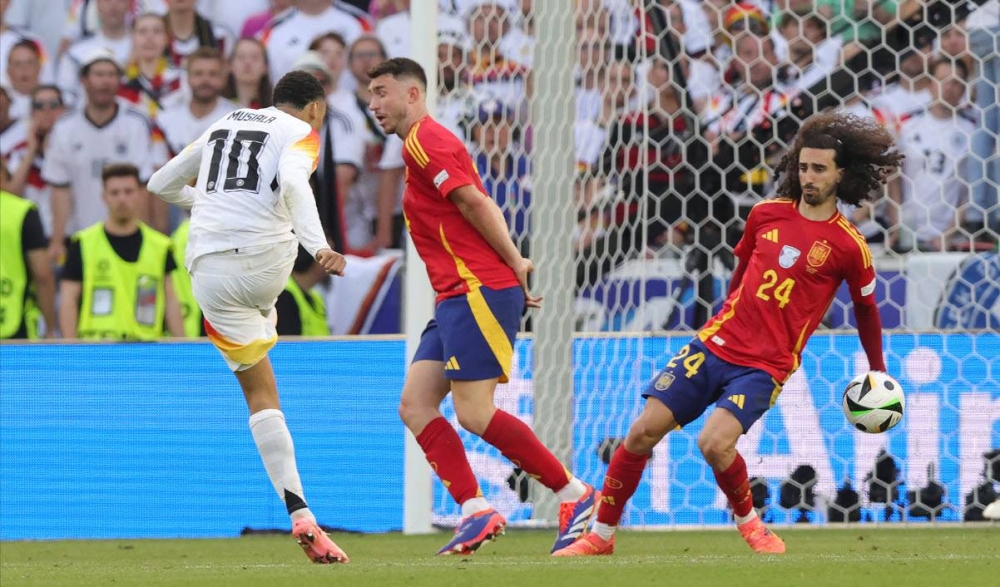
{"type": "Point", "coordinates": [28, 157]}
{"type": "Point", "coordinates": [332, 49]}
{"type": "Point", "coordinates": [248, 83]}
{"type": "Point", "coordinates": [12, 36]}
{"type": "Point", "coordinates": [394, 29]}
{"type": "Point", "coordinates": [301, 310]}
{"type": "Point", "coordinates": [504, 167]}
{"type": "Point", "coordinates": [751, 101]}
{"type": "Point", "coordinates": [860, 20]}
{"type": "Point", "coordinates": [953, 43]}
{"type": "Point", "coordinates": [184, 122]}
{"type": "Point", "coordinates": [83, 18]}
{"type": "Point", "coordinates": [84, 141]}
{"type": "Point", "coordinates": [24, 64]}
{"type": "Point", "coordinates": [297, 27]}
{"type": "Point", "coordinates": [802, 45]}
{"type": "Point", "coordinates": [930, 195]}
{"type": "Point", "coordinates": [984, 168]}
{"type": "Point", "coordinates": [342, 147]}
{"type": "Point", "coordinates": [47, 17]}
{"type": "Point", "coordinates": [594, 54]}
{"type": "Point", "coordinates": [498, 70]}
{"type": "Point", "coordinates": [112, 36]}
{"type": "Point", "coordinates": [362, 199]}
{"type": "Point", "coordinates": [231, 15]}
{"type": "Point", "coordinates": [909, 92]}
{"type": "Point", "coordinates": [151, 81]}
{"type": "Point", "coordinates": [116, 283]}
{"type": "Point", "coordinates": [28, 283]}
{"type": "Point", "coordinates": [190, 31]}
{"type": "Point", "coordinates": [12, 130]}
{"type": "Point", "coordinates": [256, 23]}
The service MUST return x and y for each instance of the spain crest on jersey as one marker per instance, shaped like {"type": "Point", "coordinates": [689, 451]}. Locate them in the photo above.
{"type": "Point", "coordinates": [789, 255]}
{"type": "Point", "coordinates": [818, 254]}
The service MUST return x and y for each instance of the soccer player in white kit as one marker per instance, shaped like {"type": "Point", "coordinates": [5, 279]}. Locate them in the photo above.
{"type": "Point", "coordinates": [252, 192]}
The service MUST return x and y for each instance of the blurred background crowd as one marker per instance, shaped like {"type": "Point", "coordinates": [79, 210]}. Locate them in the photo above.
{"type": "Point", "coordinates": [682, 109]}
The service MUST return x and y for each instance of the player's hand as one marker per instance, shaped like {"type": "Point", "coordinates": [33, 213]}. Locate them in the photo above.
{"type": "Point", "coordinates": [521, 269]}
{"type": "Point", "coordinates": [332, 261]}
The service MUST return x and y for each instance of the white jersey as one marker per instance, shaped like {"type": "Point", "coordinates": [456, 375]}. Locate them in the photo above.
{"type": "Point", "coordinates": [253, 169]}
{"type": "Point", "coordinates": [292, 32]}
{"type": "Point", "coordinates": [78, 151]}
{"type": "Point", "coordinates": [181, 128]}
{"type": "Point", "coordinates": [935, 149]}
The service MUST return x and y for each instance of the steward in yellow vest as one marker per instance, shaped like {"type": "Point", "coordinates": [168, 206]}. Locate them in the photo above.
{"type": "Point", "coordinates": [27, 285]}
{"type": "Point", "coordinates": [116, 282]}
{"type": "Point", "coordinates": [302, 311]}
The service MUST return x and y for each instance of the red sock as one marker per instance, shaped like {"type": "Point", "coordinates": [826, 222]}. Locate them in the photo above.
{"type": "Point", "coordinates": [620, 482]}
{"type": "Point", "coordinates": [445, 453]}
{"type": "Point", "coordinates": [519, 444]}
{"type": "Point", "coordinates": [736, 485]}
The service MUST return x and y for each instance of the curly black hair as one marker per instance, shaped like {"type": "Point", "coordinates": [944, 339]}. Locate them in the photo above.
{"type": "Point", "coordinates": [864, 149]}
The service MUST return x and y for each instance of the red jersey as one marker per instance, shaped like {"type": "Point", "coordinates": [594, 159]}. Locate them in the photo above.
{"type": "Point", "coordinates": [794, 267]}
{"type": "Point", "coordinates": [458, 258]}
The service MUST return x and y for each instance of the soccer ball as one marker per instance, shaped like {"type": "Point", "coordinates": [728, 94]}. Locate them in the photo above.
{"type": "Point", "coordinates": [874, 402]}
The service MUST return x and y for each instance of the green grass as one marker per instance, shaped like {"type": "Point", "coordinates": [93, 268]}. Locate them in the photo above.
{"type": "Point", "coordinates": [909, 557]}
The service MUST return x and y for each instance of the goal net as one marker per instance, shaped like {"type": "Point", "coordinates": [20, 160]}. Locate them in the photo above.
{"type": "Point", "coordinates": [679, 111]}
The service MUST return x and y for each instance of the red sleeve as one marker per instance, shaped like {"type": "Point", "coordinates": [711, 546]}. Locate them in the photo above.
{"type": "Point", "coordinates": [860, 274]}
{"type": "Point", "coordinates": [861, 281]}
{"type": "Point", "coordinates": [441, 160]}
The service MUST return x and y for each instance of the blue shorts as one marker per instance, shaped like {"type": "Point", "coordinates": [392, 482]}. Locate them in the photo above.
{"type": "Point", "coordinates": [695, 378]}
{"type": "Point", "coordinates": [473, 334]}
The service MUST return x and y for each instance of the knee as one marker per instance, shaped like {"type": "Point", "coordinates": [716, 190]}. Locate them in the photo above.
{"type": "Point", "coordinates": [414, 414]}
{"type": "Point", "coordinates": [715, 448]}
{"type": "Point", "coordinates": [473, 420]}
{"type": "Point", "coordinates": [644, 435]}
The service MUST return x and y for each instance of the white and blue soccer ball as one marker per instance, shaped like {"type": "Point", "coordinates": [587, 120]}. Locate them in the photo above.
{"type": "Point", "coordinates": [874, 402]}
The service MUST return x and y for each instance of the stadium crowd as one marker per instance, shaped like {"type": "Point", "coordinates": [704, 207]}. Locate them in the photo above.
{"type": "Point", "coordinates": [661, 90]}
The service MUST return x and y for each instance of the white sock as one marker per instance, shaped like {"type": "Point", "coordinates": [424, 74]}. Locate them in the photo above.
{"type": "Point", "coordinates": [274, 443]}
{"type": "Point", "coordinates": [746, 518]}
{"type": "Point", "coordinates": [573, 491]}
{"type": "Point", "coordinates": [603, 530]}
{"type": "Point", "coordinates": [474, 506]}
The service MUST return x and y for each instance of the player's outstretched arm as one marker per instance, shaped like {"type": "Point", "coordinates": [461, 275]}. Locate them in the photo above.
{"type": "Point", "coordinates": [169, 182]}
{"type": "Point", "coordinates": [483, 214]}
{"type": "Point", "coordinates": [870, 332]}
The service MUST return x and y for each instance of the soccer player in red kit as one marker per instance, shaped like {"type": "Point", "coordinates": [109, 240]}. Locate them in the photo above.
{"type": "Point", "coordinates": [795, 252]}
{"type": "Point", "coordinates": [481, 284]}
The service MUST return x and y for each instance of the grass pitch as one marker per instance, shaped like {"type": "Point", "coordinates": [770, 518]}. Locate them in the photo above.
{"type": "Point", "coordinates": [869, 557]}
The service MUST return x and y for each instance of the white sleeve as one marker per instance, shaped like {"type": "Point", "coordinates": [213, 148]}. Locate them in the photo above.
{"type": "Point", "coordinates": [68, 78]}
{"type": "Point", "coordinates": [169, 181]}
{"type": "Point", "coordinates": [296, 164]}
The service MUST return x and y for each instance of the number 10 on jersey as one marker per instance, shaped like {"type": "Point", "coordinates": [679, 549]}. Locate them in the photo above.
{"type": "Point", "coordinates": [244, 149]}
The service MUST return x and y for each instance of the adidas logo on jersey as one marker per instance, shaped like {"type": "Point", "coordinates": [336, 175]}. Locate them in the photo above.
{"type": "Point", "coordinates": [771, 235]}
{"type": "Point", "coordinates": [737, 399]}
{"type": "Point", "coordinates": [452, 364]}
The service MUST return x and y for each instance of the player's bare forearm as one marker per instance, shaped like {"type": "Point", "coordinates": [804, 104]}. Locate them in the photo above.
{"type": "Point", "coordinates": [45, 288]}
{"type": "Point", "coordinates": [388, 191]}
{"type": "Point", "coordinates": [485, 216]}
{"type": "Point", "coordinates": [69, 300]}
{"type": "Point", "coordinates": [870, 332]}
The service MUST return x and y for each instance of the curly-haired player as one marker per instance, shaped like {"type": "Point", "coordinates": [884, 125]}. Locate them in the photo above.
{"type": "Point", "coordinates": [795, 252]}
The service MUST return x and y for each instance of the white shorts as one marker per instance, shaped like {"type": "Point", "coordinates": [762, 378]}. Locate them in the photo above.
{"type": "Point", "coordinates": [236, 291]}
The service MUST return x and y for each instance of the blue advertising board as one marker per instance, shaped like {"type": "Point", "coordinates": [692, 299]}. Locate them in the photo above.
{"type": "Point", "coordinates": [151, 440]}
